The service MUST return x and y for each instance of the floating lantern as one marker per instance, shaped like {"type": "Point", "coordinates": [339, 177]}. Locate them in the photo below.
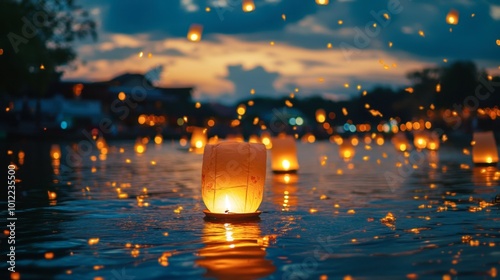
{"type": "Point", "coordinates": [55, 152]}
{"type": "Point", "coordinates": [198, 139]}
{"type": "Point", "coordinates": [452, 17]}
{"type": "Point", "coordinates": [433, 142]}
{"type": "Point", "coordinates": [400, 142]}
{"type": "Point", "coordinates": [320, 116]}
{"type": "Point", "coordinates": [420, 141]}
{"type": "Point", "coordinates": [322, 2]}
{"type": "Point", "coordinates": [139, 147]}
{"type": "Point", "coordinates": [284, 154]}
{"type": "Point", "coordinates": [346, 151]}
{"type": "Point", "coordinates": [484, 151]}
{"type": "Point", "coordinates": [158, 139]}
{"type": "Point", "coordinates": [233, 176]}
{"type": "Point", "coordinates": [247, 6]}
{"type": "Point", "coordinates": [194, 33]}
{"type": "Point", "coordinates": [234, 251]}
{"type": "Point", "coordinates": [266, 140]}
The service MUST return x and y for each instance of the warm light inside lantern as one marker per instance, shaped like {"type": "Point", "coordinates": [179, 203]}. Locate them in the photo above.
{"type": "Point", "coordinates": [194, 33]}
{"type": "Point", "coordinates": [452, 17]}
{"type": "Point", "coordinates": [420, 141]}
{"type": "Point", "coordinates": [286, 164]}
{"type": "Point", "coordinates": [233, 176]}
{"type": "Point", "coordinates": [284, 154]}
{"type": "Point", "coordinates": [248, 5]}
{"type": "Point", "coordinates": [485, 149]}
{"type": "Point", "coordinates": [55, 152]}
{"type": "Point", "coordinates": [322, 2]}
{"type": "Point", "coordinates": [402, 147]}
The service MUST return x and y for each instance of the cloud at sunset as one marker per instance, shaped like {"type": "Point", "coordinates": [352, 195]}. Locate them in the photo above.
{"type": "Point", "coordinates": [324, 50]}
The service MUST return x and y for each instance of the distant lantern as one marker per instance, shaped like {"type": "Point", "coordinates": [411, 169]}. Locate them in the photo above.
{"type": "Point", "coordinates": [320, 116]}
{"type": "Point", "coordinates": [232, 179]}
{"type": "Point", "coordinates": [194, 33]}
{"type": "Point", "coordinates": [346, 151]}
{"type": "Point", "coordinates": [484, 151]}
{"type": "Point", "coordinates": [265, 138]}
{"type": "Point", "coordinates": [198, 139]}
{"type": "Point", "coordinates": [248, 6]}
{"type": "Point", "coordinates": [322, 2]}
{"type": "Point", "coordinates": [452, 17]}
{"type": "Point", "coordinates": [400, 142]}
{"type": "Point", "coordinates": [420, 141]}
{"type": "Point", "coordinates": [55, 152]}
{"type": "Point", "coordinates": [284, 154]}
{"type": "Point", "coordinates": [433, 142]}
{"type": "Point", "coordinates": [139, 147]}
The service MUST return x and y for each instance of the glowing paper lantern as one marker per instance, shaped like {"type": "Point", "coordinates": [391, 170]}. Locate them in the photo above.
{"type": "Point", "coordinates": [232, 180]}
{"type": "Point", "coordinates": [247, 6]}
{"type": "Point", "coordinates": [234, 251]}
{"type": "Point", "coordinates": [322, 2]}
{"type": "Point", "coordinates": [400, 142]}
{"type": "Point", "coordinates": [194, 33]}
{"type": "Point", "coordinates": [55, 152]}
{"type": "Point", "coordinates": [420, 141]}
{"type": "Point", "coordinates": [320, 116]}
{"type": "Point", "coordinates": [484, 151]}
{"type": "Point", "coordinates": [452, 17]}
{"type": "Point", "coordinates": [433, 143]}
{"type": "Point", "coordinates": [284, 154]}
{"type": "Point", "coordinates": [198, 139]}
{"type": "Point", "coordinates": [266, 140]}
{"type": "Point", "coordinates": [139, 147]}
{"type": "Point", "coordinates": [346, 150]}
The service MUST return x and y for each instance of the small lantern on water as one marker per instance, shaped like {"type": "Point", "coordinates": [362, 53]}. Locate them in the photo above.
{"type": "Point", "coordinates": [400, 142]}
{"type": "Point", "coordinates": [484, 151]}
{"type": "Point", "coordinates": [284, 154]}
{"type": "Point", "coordinates": [232, 179]}
{"type": "Point", "coordinates": [198, 139]}
{"type": "Point", "coordinates": [433, 142]}
{"type": "Point", "coordinates": [346, 150]}
{"type": "Point", "coordinates": [420, 141]}
{"type": "Point", "coordinates": [322, 2]}
{"type": "Point", "coordinates": [452, 17]}
{"type": "Point", "coordinates": [194, 33]}
{"type": "Point", "coordinates": [55, 152]}
{"type": "Point", "coordinates": [320, 116]}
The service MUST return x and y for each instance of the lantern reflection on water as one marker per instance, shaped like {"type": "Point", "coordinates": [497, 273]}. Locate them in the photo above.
{"type": "Point", "coordinates": [198, 139]}
{"type": "Point", "coordinates": [284, 190]}
{"type": "Point", "coordinates": [234, 251]}
{"type": "Point", "coordinates": [485, 176]}
{"type": "Point", "coordinates": [284, 154]}
{"type": "Point", "coordinates": [233, 176]}
{"type": "Point", "coordinates": [484, 151]}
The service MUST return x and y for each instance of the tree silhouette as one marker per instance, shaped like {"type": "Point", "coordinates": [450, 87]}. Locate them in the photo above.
{"type": "Point", "coordinates": [36, 41]}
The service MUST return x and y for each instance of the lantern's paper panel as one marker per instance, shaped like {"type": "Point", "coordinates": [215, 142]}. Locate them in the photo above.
{"type": "Point", "coordinates": [284, 154]}
{"type": "Point", "coordinates": [233, 176]}
{"type": "Point", "coordinates": [485, 148]}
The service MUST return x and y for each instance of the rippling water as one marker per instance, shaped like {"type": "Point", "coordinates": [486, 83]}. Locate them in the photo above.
{"type": "Point", "coordinates": [328, 220]}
